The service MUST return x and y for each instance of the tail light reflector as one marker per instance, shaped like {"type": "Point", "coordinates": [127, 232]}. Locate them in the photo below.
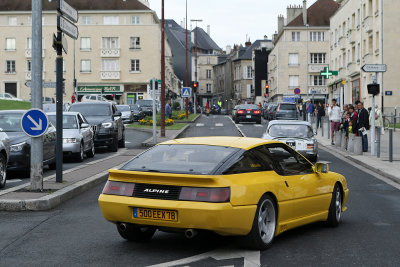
{"type": "Point", "coordinates": [310, 146]}
{"type": "Point", "coordinates": [118, 188]}
{"type": "Point", "coordinates": [257, 112]}
{"type": "Point", "coordinates": [215, 195]}
{"type": "Point", "coordinates": [240, 112]}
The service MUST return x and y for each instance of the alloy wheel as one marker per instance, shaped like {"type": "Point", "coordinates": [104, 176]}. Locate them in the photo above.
{"type": "Point", "coordinates": [266, 221]}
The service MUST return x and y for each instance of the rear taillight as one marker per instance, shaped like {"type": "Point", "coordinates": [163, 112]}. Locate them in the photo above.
{"type": "Point", "coordinates": [257, 112]}
{"type": "Point", "coordinates": [277, 110]}
{"type": "Point", "coordinates": [249, 109]}
{"type": "Point", "coordinates": [310, 146]}
{"type": "Point", "coordinates": [240, 112]}
{"type": "Point", "coordinates": [118, 188]}
{"type": "Point", "coordinates": [216, 195]}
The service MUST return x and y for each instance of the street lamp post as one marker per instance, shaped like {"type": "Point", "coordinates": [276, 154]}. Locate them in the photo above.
{"type": "Point", "coordinates": [187, 65]}
{"type": "Point", "coordinates": [162, 71]}
{"type": "Point", "coordinates": [195, 61]}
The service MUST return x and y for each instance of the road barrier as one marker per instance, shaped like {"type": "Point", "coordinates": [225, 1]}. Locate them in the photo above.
{"type": "Point", "coordinates": [391, 145]}
{"type": "Point", "coordinates": [350, 145]}
{"type": "Point", "coordinates": [343, 142]}
{"type": "Point", "coordinates": [338, 138]}
{"type": "Point", "coordinates": [378, 143]}
{"type": "Point", "coordinates": [358, 145]}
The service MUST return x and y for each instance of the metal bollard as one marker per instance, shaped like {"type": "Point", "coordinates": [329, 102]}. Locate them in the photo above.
{"type": "Point", "coordinates": [329, 129]}
{"type": "Point", "coordinates": [378, 143]}
{"type": "Point", "coordinates": [322, 125]}
{"type": "Point", "coordinates": [338, 138]}
{"type": "Point", "coordinates": [350, 145]}
{"type": "Point", "coordinates": [391, 145]}
{"type": "Point", "coordinates": [358, 145]}
{"type": "Point", "coordinates": [343, 143]}
{"type": "Point", "coordinates": [394, 120]}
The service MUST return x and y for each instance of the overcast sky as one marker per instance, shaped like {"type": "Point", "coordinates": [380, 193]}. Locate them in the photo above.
{"type": "Point", "coordinates": [230, 20]}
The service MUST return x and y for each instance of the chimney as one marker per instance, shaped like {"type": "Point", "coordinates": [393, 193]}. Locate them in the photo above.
{"type": "Point", "coordinates": [293, 12]}
{"type": "Point", "coordinates": [248, 43]}
{"type": "Point", "coordinates": [305, 12]}
{"type": "Point", "coordinates": [228, 49]}
{"type": "Point", "coordinates": [281, 22]}
{"type": "Point", "coordinates": [208, 30]}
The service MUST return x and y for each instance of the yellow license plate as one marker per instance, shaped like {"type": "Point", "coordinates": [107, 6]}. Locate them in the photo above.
{"type": "Point", "coordinates": [154, 214]}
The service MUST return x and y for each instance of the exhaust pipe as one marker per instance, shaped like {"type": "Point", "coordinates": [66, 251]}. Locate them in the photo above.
{"type": "Point", "coordinates": [122, 227]}
{"type": "Point", "coordinates": [190, 233]}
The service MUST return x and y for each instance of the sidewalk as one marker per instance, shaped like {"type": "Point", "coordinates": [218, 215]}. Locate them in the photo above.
{"type": "Point", "coordinates": [380, 165]}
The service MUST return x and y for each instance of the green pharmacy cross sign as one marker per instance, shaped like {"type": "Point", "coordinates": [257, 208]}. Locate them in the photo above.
{"type": "Point", "coordinates": [327, 73]}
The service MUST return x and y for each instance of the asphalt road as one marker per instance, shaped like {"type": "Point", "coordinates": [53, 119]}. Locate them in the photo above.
{"type": "Point", "coordinates": [76, 234]}
{"type": "Point", "coordinates": [133, 139]}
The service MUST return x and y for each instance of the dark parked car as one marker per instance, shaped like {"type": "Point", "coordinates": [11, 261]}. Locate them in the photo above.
{"type": "Point", "coordinates": [4, 155]}
{"type": "Point", "coordinates": [20, 143]}
{"type": "Point", "coordinates": [286, 111]}
{"type": "Point", "coordinates": [270, 113]}
{"type": "Point", "coordinates": [146, 105]}
{"type": "Point", "coordinates": [249, 113]}
{"type": "Point", "coordinates": [107, 122]}
{"type": "Point", "coordinates": [138, 113]}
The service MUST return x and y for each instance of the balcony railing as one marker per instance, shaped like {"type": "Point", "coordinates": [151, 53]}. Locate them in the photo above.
{"type": "Point", "coordinates": [28, 53]}
{"type": "Point", "coordinates": [110, 75]}
{"type": "Point", "coordinates": [110, 52]}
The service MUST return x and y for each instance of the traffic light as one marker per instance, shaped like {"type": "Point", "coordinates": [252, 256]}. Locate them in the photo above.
{"type": "Point", "coordinates": [266, 88]}
{"type": "Point", "coordinates": [195, 86]}
{"type": "Point", "coordinates": [373, 88]}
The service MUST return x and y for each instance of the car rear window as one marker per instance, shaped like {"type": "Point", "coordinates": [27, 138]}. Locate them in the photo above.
{"type": "Point", "coordinates": [92, 109]}
{"type": "Point", "coordinates": [248, 107]}
{"type": "Point", "coordinates": [287, 107]}
{"type": "Point", "coordinates": [186, 159]}
{"type": "Point", "coordinates": [145, 102]}
{"type": "Point", "coordinates": [290, 130]}
{"type": "Point", "coordinates": [123, 108]}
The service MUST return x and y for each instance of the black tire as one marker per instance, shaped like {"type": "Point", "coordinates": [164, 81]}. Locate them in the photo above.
{"type": "Point", "coordinates": [257, 238]}
{"type": "Point", "coordinates": [314, 158]}
{"type": "Point", "coordinates": [121, 143]}
{"type": "Point", "coordinates": [79, 157]}
{"type": "Point", "coordinates": [258, 122]}
{"type": "Point", "coordinates": [335, 208]}
{"type": "Point", "coordinates": [3, 171]}
{"type": "Point", "coordinates": [237, 121]}
{"type": "Point", "coordinates": [114, 146]}
{"type": "Point", "coordinates": [135, 233]}
{"type": "Point", "coordinates": [91, 152]}
{"type": "Point", "coordinates": [53, 166]}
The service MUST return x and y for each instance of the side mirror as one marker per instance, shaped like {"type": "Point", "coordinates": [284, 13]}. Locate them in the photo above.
{"type": "Point", "coordinates": [322, 167]}
{"type": "Point", "coordinates": [85, 125]}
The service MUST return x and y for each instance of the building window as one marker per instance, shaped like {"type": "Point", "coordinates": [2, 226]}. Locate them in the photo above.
{"type": "Point", "coordinates": [85, 65]}
{"type": "Point", "coordinates": [135, 43]}
{"type": "Point", "coordinates": [293, 80]}
{"type": "Point", "coordinates": [86, 20]}
{"type": "Point", "coordinates": [249, 72]}
{"type": "Point", "coordinates": [208, 74]}
{"type": "Point", "coordinates": [64, 69]}
{"type": "Point", "coordinates": [208, 61]}
{"type": "Point", "coordinates": [85, 44]}
{"type": "Point", "coordinates": [10, 44]}
{"type": "Point", "coordinates": [29, 43]}
{"type": "Point", "coordinates": [318, 58]}
{"type": "Point", "coordinates": [135, 65]}
{"type": "Point", "coordinates": [208, 87]}
{"type": "Point", "coordinates": [317, 80]}
{"type": "Point", "coordinates": [110, 42]}
{"type": "Point", "coordinates": [10, 66]}
{"type": "Point", "coordinates": [12, 21]}
{"type": "Point", "coordinates": [294, 59]}
{"type": "Point", "coordinates": [135, 20]}
{"type": "Point", "coordinates": [29, 65]}
{"type": "Point", "coordinates": [110, 65]}
{"type": "Point", "coordinates": [111, 20]}
{"type": "Point", "coordinates": [317, 36]}
{"type": "Point", "coordinates": [295, 36]}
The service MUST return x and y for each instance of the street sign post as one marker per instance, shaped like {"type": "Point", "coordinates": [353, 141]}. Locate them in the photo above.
{"type": "Point", "coordinates": [64, 44]}
{"type": "Point", "coordinates": [68, 11]}
{"type": "Point", "coordinates": [297, 91]}
{"type": "Point", "coordinates": [67, 27]}
{"type": "Point", "coordinates": [34, 122]}
{"type": "Point", "coordinates": [186, 92]}
{"type": "Point", "coordinates": [388, 92]}
{"type": "Point", "coordinates": [374, 68]}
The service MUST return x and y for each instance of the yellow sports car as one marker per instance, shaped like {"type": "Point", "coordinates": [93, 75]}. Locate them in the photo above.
{"type": "Point", "coordinates": [230, 185]}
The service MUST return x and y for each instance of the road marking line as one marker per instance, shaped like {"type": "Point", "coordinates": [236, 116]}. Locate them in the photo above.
{"type": "Point", "coordinates": [258, 125]}
{"type": "Point", "coordinates": [199, 124]}
{"type": "Point", "coordinates": [240, 125]}
{"type": "Point", "coordinates": [219, 125]}
{"type": "Point", "coordinates": [237, 127]}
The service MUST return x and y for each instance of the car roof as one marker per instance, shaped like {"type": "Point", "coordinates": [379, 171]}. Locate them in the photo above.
{"type": "Point", "coordinates": [92, 103]}
{"type": "Point", "coordinates": [298, 122]}
{"type": "Point", "coordinates": [64, 113]}
{"type": "Point", "coordinates": [226, 141]}
{"type": "Point", "coordinates": [21, 111]}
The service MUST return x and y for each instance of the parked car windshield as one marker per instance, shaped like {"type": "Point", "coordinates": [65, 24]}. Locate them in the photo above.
{"type": "Point", "coordinates": [135, 107]}
{"type": "Point", "coordinates": [188, 159]}
{"type": "Point", "coordinates": [123, 108]}
{"type": "Point", "coordinates": [92, 109]}
{"type": "Point", "coordinates": [290, 130]}
{"type": "Point", "coordinates": [69, 121]}
{"type": "Point", "coordinates": [10, 122]}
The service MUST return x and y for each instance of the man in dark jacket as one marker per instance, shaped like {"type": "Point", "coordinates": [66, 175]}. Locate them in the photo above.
{"type": "Point", "coordinates": [363, 125]}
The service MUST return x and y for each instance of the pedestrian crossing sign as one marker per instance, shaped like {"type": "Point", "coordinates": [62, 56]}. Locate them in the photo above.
{"type": "Point", "coordinates": [186, 92]}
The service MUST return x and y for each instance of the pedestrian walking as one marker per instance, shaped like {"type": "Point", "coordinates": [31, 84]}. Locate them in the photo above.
{"type": "Point", "coordinates": [363, 125]}
{"type": "Point", "coordinates": [378, 121]}
{"type": "Point", "coordinates": [73, 98]}
{"type": "Point", "coordinates": [320, 115]}
{"type": "Point", "coordinates": [168, 110]}
{"type": "Point", "coordinates": [310, 110]}
{"type": "Point", "coordinates": [334, 118]}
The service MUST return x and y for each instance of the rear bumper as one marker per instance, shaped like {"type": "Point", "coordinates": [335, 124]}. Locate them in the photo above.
{"type": "Point", "coordinates": [252, 118]}
{"type": "Point", "coordinates": [222, 218]}
{"type": "Point", "coordinates": [72, 148]}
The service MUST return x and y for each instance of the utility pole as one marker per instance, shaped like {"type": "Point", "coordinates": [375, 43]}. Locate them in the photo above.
{"type": "Point", "coordinates": [195, 61]}
{"type": "Point", "coordinates": [59, 108]}
{"type": "Point", "coordinates": [36, 92]}
{"type": "Point", "coordinates": [382, 62]}
{"type": "Point", "coordinates": [162, 71]}
{"type": "Point", "coordinates": [187, 65]}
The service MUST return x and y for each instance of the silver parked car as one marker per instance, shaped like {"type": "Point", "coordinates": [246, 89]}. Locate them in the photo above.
{"type": "Point", "coordinates": [78, 135]}
{"type": "Point", "coordinates": [4, 156]}
{"type": "Point", "coordinates": [127, 113]}
{"type": "Point", "coordinates": [297, 134]}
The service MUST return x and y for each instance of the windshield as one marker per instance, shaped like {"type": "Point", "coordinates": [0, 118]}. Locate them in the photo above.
{"type": "Point", "coordinates": [10, 122]}
{"type": "Point", "coordinates": [69, 121]}
{"type": "Point", "coordinates": [145, 102]}
{"type": "Point", "coordinates": [188, 159]}
{"type": "Point", "coordinates": [123, 108]}
{"type": "Point", "coordinates": [290, 130]}
{"type": "Point", "coordinates": [135, 107]}
{"type": "Point", "coordinates": [92, 109]}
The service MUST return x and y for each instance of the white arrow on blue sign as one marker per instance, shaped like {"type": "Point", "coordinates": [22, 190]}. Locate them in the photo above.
{"type": "Point", "coordinates": [186, 91]}
{"type": "Point", "coordinates": [34, 122]}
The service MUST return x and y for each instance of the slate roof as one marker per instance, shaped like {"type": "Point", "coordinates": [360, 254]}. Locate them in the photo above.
{"type": "Point", "coordinates": [249, 51]}
{"type": "Point", "coordinates": [25, 5]}
{"type": "Point", "coordinates": [318, 14]}
{"type": "Point", "coordinates": [204, 41]}
{"type": "Point", "coordinates": [174, 29]}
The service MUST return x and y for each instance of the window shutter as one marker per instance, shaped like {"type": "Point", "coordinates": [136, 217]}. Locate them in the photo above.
{"type": "Point", "coordinates": [245, 72]}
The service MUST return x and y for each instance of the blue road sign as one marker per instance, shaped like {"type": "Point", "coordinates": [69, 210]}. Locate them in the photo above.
{"type": "Point", "coordinates": [186, 91]}
{"type": "Point", "coordinates": [388, 92]}
{"type": "Point", "coordinates": [297, 91]}
{"type": "Point", "coordinates": [34, 122]}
